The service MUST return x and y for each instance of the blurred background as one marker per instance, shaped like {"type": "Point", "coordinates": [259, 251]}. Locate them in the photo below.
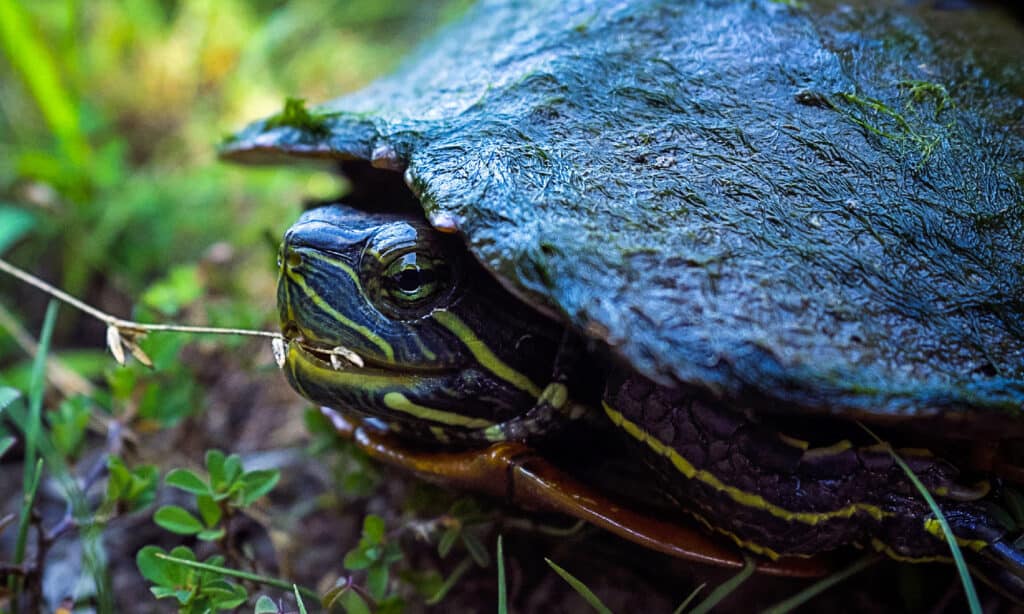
{"type": "Point", "coordinates": [110, 115]}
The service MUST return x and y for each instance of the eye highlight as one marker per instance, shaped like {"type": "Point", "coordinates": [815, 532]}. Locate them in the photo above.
{"type": "Point", "coordinates": [414, 278]}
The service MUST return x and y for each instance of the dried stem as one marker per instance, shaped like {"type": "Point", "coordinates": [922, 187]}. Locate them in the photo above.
{"type": "Point", "coordinates": [124, 325]}
{"type": "Point", "coordinates": [130, 329]}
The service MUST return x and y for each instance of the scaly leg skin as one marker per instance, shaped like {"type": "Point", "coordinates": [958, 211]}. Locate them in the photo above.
{"type": "Point", "coordinates": [774, 495]}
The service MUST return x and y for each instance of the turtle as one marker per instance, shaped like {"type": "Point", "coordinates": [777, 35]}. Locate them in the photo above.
{"type": "Point", "coordinates": [746, 237]}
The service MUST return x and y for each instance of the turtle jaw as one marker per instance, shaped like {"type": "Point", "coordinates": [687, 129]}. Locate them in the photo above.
{"type": "Point", "coordinates": [435, 406]}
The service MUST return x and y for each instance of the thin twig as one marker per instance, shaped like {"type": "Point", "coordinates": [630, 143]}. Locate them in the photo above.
{"type": "Point", "coordinates": [127, 325]}
{"type": "Point", "coordinates": [131, 328]}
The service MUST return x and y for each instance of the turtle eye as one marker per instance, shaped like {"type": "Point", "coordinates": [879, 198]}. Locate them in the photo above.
{"type": "Point", "coordinates": [414, 278]}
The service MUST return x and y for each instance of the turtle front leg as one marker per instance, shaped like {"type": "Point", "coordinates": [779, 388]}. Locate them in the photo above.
{"type": "Point", "coordinates": [777, 496]}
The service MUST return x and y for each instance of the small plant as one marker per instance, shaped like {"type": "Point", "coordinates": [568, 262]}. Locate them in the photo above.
{"type": "Point", "coordinates": [374, 555]}
{"type": "Point", "coordinates": [196, 591]}
{"type": "Point", "coordinates": [228, 489]}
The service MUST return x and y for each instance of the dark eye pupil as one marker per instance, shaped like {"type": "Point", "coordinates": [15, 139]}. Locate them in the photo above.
{"type": "Point", "coordinates": [408, 280]}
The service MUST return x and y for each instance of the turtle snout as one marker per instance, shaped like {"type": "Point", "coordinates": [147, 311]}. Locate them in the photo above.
{"type": "Point", "coordinates": [289, 258]}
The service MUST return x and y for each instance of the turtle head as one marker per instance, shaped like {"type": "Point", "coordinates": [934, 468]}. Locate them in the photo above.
{"type": "Point", "coordinates": [440, 349]}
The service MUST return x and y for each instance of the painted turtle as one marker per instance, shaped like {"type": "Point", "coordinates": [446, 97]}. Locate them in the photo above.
{"type": "Point", "coordinates": [728, 230]}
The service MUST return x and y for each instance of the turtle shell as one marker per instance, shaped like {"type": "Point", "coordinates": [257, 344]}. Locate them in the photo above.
{"type": "Point", "coordinates": [795, 206]}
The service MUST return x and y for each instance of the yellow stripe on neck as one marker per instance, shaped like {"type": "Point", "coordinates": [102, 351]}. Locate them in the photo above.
{"type": "Point", "coordinates": [933, 526]}
{"type": "Point", "coordinates": [739, 496]}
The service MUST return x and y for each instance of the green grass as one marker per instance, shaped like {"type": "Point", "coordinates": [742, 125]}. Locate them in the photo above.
{"type": "Point", "coordinates": [726, 588]}
{"type": "Point", "coordinates": [958, 557]}
{"type": "Point", "coordinates": [812, 591]}
{"type": "Point", "coordinates": [581, 589]}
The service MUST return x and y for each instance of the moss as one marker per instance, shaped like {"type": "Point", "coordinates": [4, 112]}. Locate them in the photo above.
{"type": "Point", "coordinates": [793, 4]}
{"type": "Point", "coordinates": [917, 124]}
{"type": "Point", "coordinates": [295, 115]}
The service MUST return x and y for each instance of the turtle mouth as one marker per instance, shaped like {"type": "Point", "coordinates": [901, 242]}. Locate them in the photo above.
{"type": "Point", "coordinates": [342, 358]}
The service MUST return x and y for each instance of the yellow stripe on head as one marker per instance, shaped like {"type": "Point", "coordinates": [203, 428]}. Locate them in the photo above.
{"type": "Point", "coordinates": [483, 354]}
{"type": "Point", "coordinates": [399, 402]}
{"type": "Point", "coordinates": [324, 306]}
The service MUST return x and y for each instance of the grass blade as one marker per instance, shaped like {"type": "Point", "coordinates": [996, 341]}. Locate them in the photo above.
{"type": "Point", "coordinates": [693, 595]}
{"type": "Point", "coordinates": [958, 557]}
{"type": "Point", "coordinates": [725, 588]}
{"type": "Point", "coordinates": [7, 396]}
{"type": "Point", "coordinates": [797, 600]}
{"type": "Point", "coordinates": [242, 575]}
{"type": "Point", "coordinates": [459, 571]}
{"type": "Point", "coordinates": [37, 386]}
{"type": "Point", "coordinates": [31, 58]}
{"type": "Point", "coordinates": [502, 588]}
{"type": "Point", "coordinates": [581, 588]}
{"type": "Point", "coordinates": [33, 467]}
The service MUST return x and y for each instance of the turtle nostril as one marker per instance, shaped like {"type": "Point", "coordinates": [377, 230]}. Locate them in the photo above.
{"type": "Point", "coordinates": [290, 258]}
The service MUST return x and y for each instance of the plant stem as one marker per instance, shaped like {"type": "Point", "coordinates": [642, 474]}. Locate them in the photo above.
{"type": "Point", "coordinates": [128, 325]}
{"type": "Point", "coordinates": [242, 575]}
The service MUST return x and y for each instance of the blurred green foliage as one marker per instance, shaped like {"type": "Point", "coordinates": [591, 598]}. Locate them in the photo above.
{"type": "Point", "coordinates": [110, 113]}
{"type": "Point", "coordinates": [109, 116]}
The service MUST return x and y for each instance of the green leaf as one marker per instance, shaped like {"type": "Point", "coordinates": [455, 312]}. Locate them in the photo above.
{"type": "Point", "coordinates": [14, 224]}
{"type": "Point", "coordinates": [153, 569]}
{"type": "Point", "coordinates": [476, 549]}
{"type": "Point", "coordinates": [448, 539]}
{"type": "Point", "coordinates": [209, 510]}
{"type": "Point", "coordinates": [215, 467]}
{"type": "Point", "coordinates": [177, 520]}
{"type": "Point", "coordinates": [180, 574]}
{"type": "Point", "coordinates": [5, 445]}
{"type": "Point", "coordinates": [182, 286]}
{"type": "Point", "coordinates": [391, 605]}
{"type": "Point", "coordinates": [373, 528]}
{"type": "Point", "coordinates": [162, 592]}
{"type": "Point", "coordinates": [266, 605]}
{"type": "Point", "coordinates": [582, 589]}
{"type": "Point", "coordinates": [142, 489]}
{"type": "Point", "coordinates": [210, 535]}
{"type": "Point", "coordinates": [377, 581]}
{"type": "Point", "coordinates": [118, 478]}
{"type": "Point", "coordinates": [357, 559]}
{"type": "Point", "coordinates": [186, 480]}
{"type": "Point", "coordinates": [68, 424]}
{"type": "Point", "coordinates": [258, 483]}
{"type": "Point", "coordinates": [232, 469]}
{"type": "Point", "coordinates": [185, 596]}
{"type": "Point", "coordinates": [7, 396]}
{"type": "Point", "coordinates": [134, 488]}
{"type": "Point", "coordinates": [352, 603]}
{"type": "Point", "coordinates": [224, 595]}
